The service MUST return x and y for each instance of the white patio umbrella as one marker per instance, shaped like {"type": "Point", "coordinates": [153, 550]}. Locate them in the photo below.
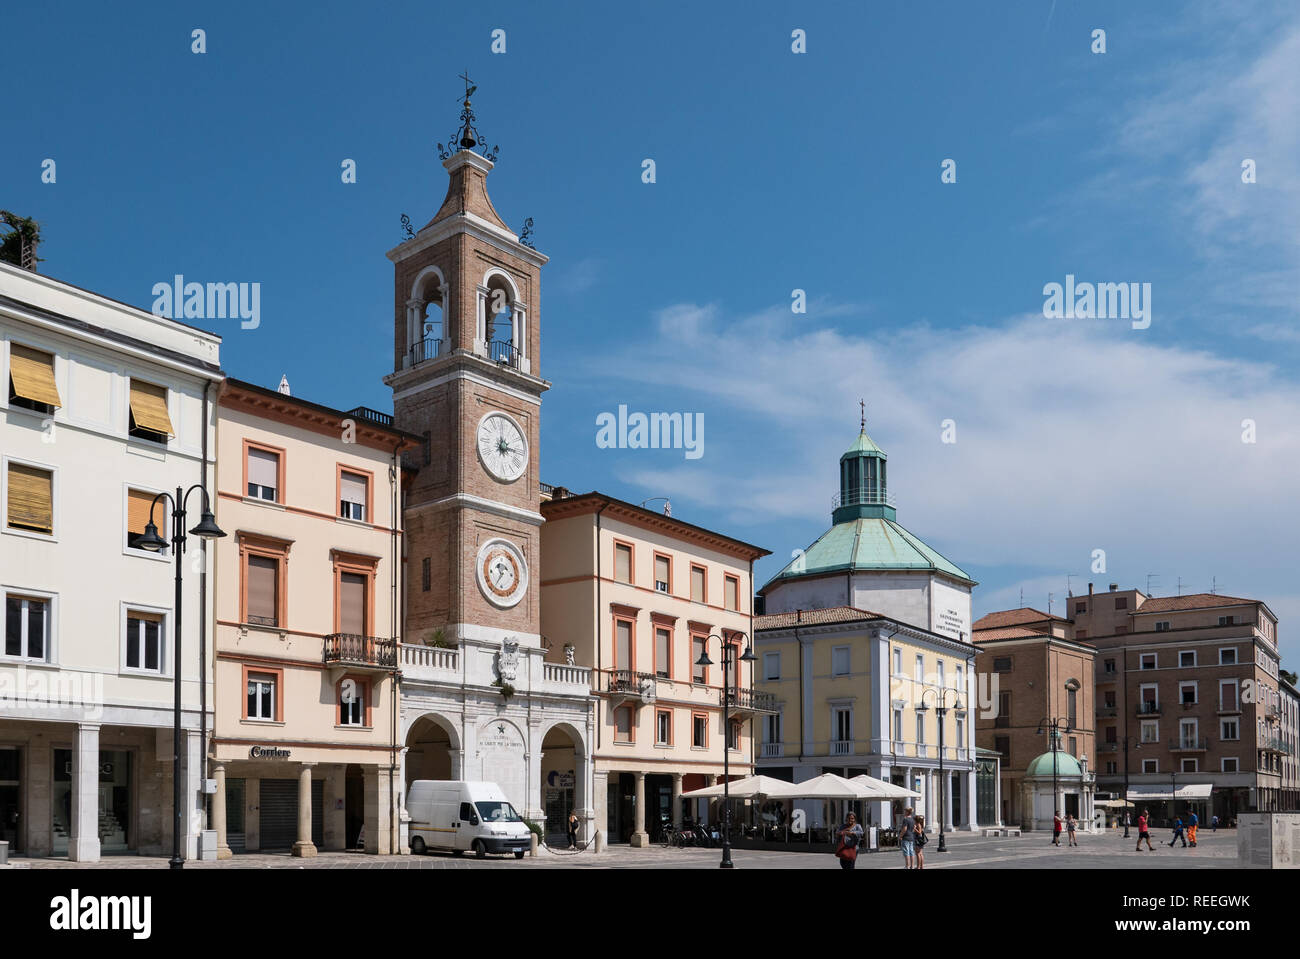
{"type": "Point", "coordinates": [884, 790]}
{"type": "Point", "coordinates": [747, 788]}
{"type": "Point", "coordinates": [831, 786]}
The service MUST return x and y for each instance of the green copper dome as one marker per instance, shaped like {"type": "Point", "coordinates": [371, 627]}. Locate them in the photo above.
{"type": "Point", "coordinates": [1066, 765]}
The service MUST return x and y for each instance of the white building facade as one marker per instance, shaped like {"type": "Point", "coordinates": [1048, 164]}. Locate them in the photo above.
{"type": "Point", "coordinates": [104, 407]}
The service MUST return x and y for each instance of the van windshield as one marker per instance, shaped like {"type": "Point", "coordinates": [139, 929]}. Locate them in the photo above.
{"type": "Point", "coordinates": [497, 812]}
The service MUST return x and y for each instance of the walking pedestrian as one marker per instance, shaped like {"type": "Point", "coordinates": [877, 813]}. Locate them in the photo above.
{"type": "Point", "coordinates": [907, 839]}
{"type": "Point", "coordinates": [573, 830]}
{"type": "Point", "coordinates": [1056, 828]}
{"type": "Point", "coordinates": [1191, 828]}
{"type": "Point", "coordinates": [1214, 824]}
{"type": "Point", "coordinates": [850, 836]}
{"type": "Point", "coordinates": [1070, 825]}
{"type": "Point", "coordinates": [921, 840]}
{"type": "Point", "coordinates": [1178, 833]}
{"type": "Point", "coordinates": [1143, 833]}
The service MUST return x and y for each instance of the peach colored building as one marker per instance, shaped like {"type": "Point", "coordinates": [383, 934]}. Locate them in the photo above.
{"type": "Point", "coordinates": [307, 625]}
{"type": "Point", "coordinates": [1033, 656]}
{"type": "Point", "coordinates": [637, 596]}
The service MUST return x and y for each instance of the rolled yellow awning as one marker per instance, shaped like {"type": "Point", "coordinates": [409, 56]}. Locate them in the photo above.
{"type": "Point", "coordinates": [149, 408]}
{"type": "Point", "coordinates": [32, 373]}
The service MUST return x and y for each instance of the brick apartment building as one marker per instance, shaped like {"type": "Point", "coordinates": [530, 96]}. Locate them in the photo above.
{"type": "Point", "coordinates": [1188, 696]}
{"type": "Point", "coordinates": [1033, 656]}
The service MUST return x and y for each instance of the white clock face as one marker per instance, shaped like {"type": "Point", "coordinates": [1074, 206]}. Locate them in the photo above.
{"type": "Point", "coordinates": [502, 572]}
{"type": "Point", "coordinates": [502, 447]}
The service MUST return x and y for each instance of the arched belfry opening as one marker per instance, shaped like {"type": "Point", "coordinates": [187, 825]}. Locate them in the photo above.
{"type": "Point", "coordinates": [427, 332]}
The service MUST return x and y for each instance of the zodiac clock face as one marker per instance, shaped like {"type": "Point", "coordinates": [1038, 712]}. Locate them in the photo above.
{"type": "Point", "coordinates": [502, 447]}
{"type": "Point", "coordinates": [502, 572]}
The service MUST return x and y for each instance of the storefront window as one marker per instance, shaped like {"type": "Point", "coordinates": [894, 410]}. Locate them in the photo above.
{"type": "Point", "coordinates": [113, 801]}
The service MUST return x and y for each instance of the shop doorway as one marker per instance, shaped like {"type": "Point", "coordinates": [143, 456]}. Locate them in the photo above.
{"type": "Point", "coordinates": [113, 801]}
{"type": "Point", "coordinates": [354, 805]}
{"type": "Point", "coordinates": [278, 813]}
{"type": "Point", "coordinates": [235, 805]}
{"type": "Point", "coordinates": [11, 794]}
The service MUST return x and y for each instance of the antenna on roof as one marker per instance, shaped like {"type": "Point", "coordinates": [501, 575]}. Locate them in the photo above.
{"type": "Point", "coordinates": [1151, 576]}
{"type": "Point", "coordinates": [1180, 586]}
{"type": "Point", "coordinates": [1022, 597]}
{"type": "Point", "coordinates": [1214, 585]}
{"type": "Point", "coordinates": [863, 405]}
{"type": "Point", "coordinates": [1069, 591]}
{"type": "Point", "coordinates": [1049, 603]}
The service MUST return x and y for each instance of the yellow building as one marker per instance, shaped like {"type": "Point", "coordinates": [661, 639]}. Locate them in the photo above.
{"type": "Point", "coordinates": [638, 596]}
{"type": "Point", "coordinates": [307, 626]}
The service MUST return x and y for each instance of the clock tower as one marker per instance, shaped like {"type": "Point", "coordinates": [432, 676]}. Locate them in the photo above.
{"type": "Point", "coordinates": [466, 349]}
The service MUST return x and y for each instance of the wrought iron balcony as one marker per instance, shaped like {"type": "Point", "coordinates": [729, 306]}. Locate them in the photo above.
{"type": "Point", "coordinates": [1187, 744]}
{"type": "Point", "coordinates": [505, 354]}
{"type": "Point", "coordinates": [423, 351]}
{"type": "Point", "coordinates": [1148, 709]}
{"type": "Point", "coordinates": [1108, 747]}
{"type": "Point", "coordinates": [1107, 710]}
{"type": "Point", "coordinates": [626, 685]}
{"type": "Point", "coordinates": [363, 652]}
{"type": "Point", "coordinates": [862, 497]}
{"type": "Point", "coordinates": [750, 701]}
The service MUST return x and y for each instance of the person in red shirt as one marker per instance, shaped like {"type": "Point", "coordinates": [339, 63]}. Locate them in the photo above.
{"type": "Point", "coordinates": [1056, 828]}
{"type": "Point", "coordinates": [1143, 833]}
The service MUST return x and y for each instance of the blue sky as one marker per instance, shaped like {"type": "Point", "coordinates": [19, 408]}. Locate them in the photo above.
{"type": "Point", "coordinates": [775, 171]}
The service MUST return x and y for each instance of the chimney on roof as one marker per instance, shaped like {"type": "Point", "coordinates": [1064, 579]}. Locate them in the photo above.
{"type": "Point", "coordinates": [1090, 589]}
{"type": "Point", "coordinates": [798, 615]}
{"type": "Point", "coordinates": [1114, 586]}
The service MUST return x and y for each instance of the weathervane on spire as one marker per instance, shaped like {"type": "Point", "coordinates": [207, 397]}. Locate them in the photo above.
{"type": "Point", "coordinates": [466, 136]}
{"type": "Point", "coordinates": [863, 404]}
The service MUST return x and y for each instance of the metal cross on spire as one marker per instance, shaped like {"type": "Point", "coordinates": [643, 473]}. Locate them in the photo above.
{"type": "Point", "coordinates": [863, 404]}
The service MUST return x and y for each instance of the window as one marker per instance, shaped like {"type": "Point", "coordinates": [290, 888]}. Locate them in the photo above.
{"type": "Point", "coordinates": [663, 647]}
{"type": "Point", "coordinates": [663, 728]}
{"type": "Point", "coordinates": [1072, 706]}
{"type": "Point", "coordinates": [623, 653]}
{"type": "Point", "coordinates": [1109, 698]}
{"type": "Point", "coordinates": [354, 490]}
{"type": "Point", "coordinates": [731, 592]}
{"type": "Point", "coordinates": [1003, 718]}
{"type": "Point", "coordinates": [898, 661]}
{"type": "Point", "coordinates": [1080, 608]}
{"type": "Point", "coordinates": [961, 731]}
{"type": "Point", "coordinates": [842, 723]}
{"type": "Point", "coordinates": [663, 572]}
{"type": "Point", "coordinates": [918, 669]}
{"type": "Point", "coordinates": [1229, 730]}
{"type": "Point", "coordinates": [697, 585]}
{"type": "Point", "coordinates": [426, 575]}
{"type": "Point", "coordinates": [1190, 766]}
{"type": "Point", "coordinates": [771, 665]}
{"type": "Point", "coordinates": [733, 735]}
{"type": "Point", "coordinates": [623, 562]}
{"type": "Point", "coordinates": [1150, 766]}
{"type": "Point", "coordinates": [353, 595]}
{"type": "Point", "coordinates": [939, 673]}
{"type": "Point", "coordinates": [31, 380]}
{"type": "Point", "coordinates": [920, 727]}
{"type": "Point", "coordinates": [1187, 732]}
{"type": "Point", "coordinates": [1148, 661]}
{"type": "Point", "coordinates": [699, 674]}
{"type": "Point", "coordinates": [1187, 694]}
{"type": "Point", "coordinates": [139, 506]}
{"type": "Point", "coordinates": [352, 695]}
{"type": "Point", "coordinates": [1001, 664]}
{"type": "Point", "coordinates": [1228, 695]}
{"type": "Point", "coordinates": [1229, 764]}
{"type": "Point", "coordinates": [149, 419]}
{"type": "Point", "coordinates": [144, 641]}
{"type": "Point", "coordinates": [262, 584]}
{"type": "Point", "coordinates": [1074, 746]}
{"type": "Point", "coordinates": [840, 661]}
{"type": "Point", "coordinates": [1150, 731]}
{"type": "Point", "coordinates": [1162, 626]}
{"type": "Point", "coordinates": [623, 725]}
{"type": "Point", "coordinates": [961, 678]}
{"type": "Point", "coordinates": [1228, 656]}
{"type": "Point", "coordinates": [1121, 602]}
{"type": "Point", "coordinates": [27, 627]}
{"type": "Point", "coordinates": [1108, 666]}
{"type": "Point", "coordinates": [699, 731]}
{"type": "Point", "coordinates": [29, 497]}
{"type": "Point", "coordinates": [898, 724]}
{"type": "Point", "coordinates": [1112, 766]}
{"type": "Point", "coordinates": [1187, 658]}
{"type": "Point", "coordinates": [1002, 744]}
{"type": "Point", "coordinates": [1149, 701]}
{"type": "Point", "coordinates": [262, 691]}
{"type": "Point", "coordinates": [1227, 620]}
{"type": "Point", "coordinates": [772, 728]}
{"type": "Point", "coordinates": [1112, 734]}
{"type": "Point", "coordinates": [263, 474]}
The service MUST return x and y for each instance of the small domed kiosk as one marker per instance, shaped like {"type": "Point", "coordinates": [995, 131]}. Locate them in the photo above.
{"type": "Point", "coordinates": [1056, 781]}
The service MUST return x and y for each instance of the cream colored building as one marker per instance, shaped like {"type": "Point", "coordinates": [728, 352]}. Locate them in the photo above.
{"type": "Point", "coordinates": [849, 687]}
{"type": "Point", "coordinates": [306, 751]}
{"type": "Point", "coordinates": [104, 407]}
{"type": "Point", "coordinates": [637, 596]}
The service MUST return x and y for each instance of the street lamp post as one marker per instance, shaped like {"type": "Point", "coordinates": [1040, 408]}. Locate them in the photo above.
{"type": "Point", "coordinates": [747, 657]}
{"type": "Point", "coordinates": [206, 529]}
{"type": "Point", "coordinates": [1055, 726]}
{"type": "Point", "coordinates": [941, 710]}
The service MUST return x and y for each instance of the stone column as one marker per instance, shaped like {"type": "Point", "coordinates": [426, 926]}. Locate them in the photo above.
{"type": "Point", "coordinates": [948, 812]}
{"type": "Point", "coordinates": [379, 823]}
{"type": "Point", "coordinates": [639, 836]}
{"type": "Point", "coordinates": [677, 800]}
{"type": "Point", "coordinates": [972, 804]}
{"type": "Point", "coordinates": [219, 812]}
{"type": "Point", "coordinates": [304, 848]}
{"type": "Point", "coordinates": [83, 838]}
{"type": "Point", "coordinates": [600, 803]}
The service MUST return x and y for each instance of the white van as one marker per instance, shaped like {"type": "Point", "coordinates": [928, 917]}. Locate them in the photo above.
{"type": "Point", "coordinates": [461, 816]}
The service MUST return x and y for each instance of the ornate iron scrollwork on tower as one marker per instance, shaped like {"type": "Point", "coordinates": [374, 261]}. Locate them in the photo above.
{"type": "Point", "coordinates": [466, 136]}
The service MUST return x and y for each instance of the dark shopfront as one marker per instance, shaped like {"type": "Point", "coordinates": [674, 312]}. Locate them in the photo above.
{"type": "Point", "coordinates": [11, 796]}
{"type": "Point", "coordinates": [621, 806]}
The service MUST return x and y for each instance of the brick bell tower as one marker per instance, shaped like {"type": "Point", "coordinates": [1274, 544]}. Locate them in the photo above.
{"type": "Point", "coordinates": [466, 349]}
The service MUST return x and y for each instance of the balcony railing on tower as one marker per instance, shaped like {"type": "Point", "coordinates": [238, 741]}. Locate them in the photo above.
{"type": "Point", "coordinates": [499, 351]}
{"type": "Point", "coordinates": [862, 497]}
{"type": "Point", "coordinates": [351, 649]}
{"type": "Point", "coordinates": [423, 351]}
